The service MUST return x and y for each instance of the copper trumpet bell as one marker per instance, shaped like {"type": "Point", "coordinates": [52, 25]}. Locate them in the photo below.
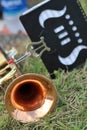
{"type": "Point", "coordinates": [30, 97]}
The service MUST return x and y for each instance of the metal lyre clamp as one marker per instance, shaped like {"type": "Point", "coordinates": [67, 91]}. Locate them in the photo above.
{"type": "Point", "coordinates": [42, 47]}
{"type": "Point", "coordinates": [31, 51]}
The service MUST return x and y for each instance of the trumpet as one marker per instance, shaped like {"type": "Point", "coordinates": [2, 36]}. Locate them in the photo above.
{"type": "Point", "coordinates": [29, 97]}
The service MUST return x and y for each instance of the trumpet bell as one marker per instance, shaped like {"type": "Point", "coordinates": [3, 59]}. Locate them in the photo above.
{"type": "Point", "coordinates": [30, 97]}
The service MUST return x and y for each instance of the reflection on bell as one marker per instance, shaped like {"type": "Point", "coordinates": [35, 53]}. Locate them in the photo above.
{"type": "Point", "coordinates": [30, 97]}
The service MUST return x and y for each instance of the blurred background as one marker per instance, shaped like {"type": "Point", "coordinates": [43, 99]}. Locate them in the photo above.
{"type": "Point", "coordinates": [10, 12]}
{"type": "Point", "coordinates": [9, 39]}
{"type": "Point", "coordinates": [30, 3]}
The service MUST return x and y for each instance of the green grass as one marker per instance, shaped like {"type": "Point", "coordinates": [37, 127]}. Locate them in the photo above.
{"type": "Point", "coordinates": [70, 112]}
{"type": "Point", "coordinates": [84, 5]}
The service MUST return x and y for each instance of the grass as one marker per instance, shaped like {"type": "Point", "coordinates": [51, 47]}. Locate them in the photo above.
{"type": "Point", "coordinates": [84, 5]}
{"type": "Point", "coordinates": [70, 112]}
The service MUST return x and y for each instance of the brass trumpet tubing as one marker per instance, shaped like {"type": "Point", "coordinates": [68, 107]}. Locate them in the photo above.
{"type": "Point", "coordinates": [2, 59]}
{"type": "Point", "coordinates": [30, 97]}
{"type": "Point", "coordinates": [7, 71]}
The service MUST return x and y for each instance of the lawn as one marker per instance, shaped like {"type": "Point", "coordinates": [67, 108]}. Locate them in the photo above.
{"type": "Point", "coordinates": [70, 112]}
